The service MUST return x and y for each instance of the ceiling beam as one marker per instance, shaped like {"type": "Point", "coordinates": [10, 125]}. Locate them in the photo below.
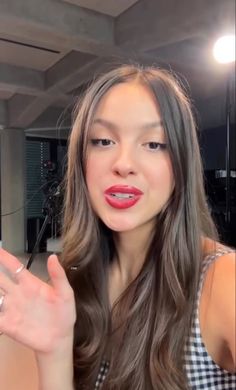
{"type": "Point", "coordinates": [66, 75]}
{"type": "Point", "coordinates": [24, 110]}
{"type": "Point", "coordinates": [53, 118]}
{"type": "Point", "coordinates": [59, 135]}
{"type": "Point", "coordinates": [68, 68]}
{"type": "Point", "coordinates": [73, 71]}
{"type": "Point", "coordinates": [150, 24]}
{"type": "Point", "coordinates": [19, 80]}
{"type": "Point", "coordinates": [57, 23]}
{"type": "Point", "coordinates": [15, 78]}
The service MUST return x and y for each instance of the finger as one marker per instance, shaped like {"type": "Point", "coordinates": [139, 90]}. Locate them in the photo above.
{"type": "Point", "coordinates": [6, 284]}
{"type": "Point", "coordinates": [10, 262]}
{"type": "Point", "coordinates": [58, 277]}
{"type": "Point", "coordinates": [2, 307]}
{"type": "Point", "coordinates": [5, 324]}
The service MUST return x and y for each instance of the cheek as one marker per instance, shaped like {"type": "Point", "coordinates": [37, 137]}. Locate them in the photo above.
{"type": "Point", "coordinates": [162, 178]}
{"type": "Point", "coordinates": [94, 171]}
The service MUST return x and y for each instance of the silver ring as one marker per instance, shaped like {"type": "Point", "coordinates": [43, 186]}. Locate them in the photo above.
{"type": "Point", "coordinates": [19, 269]}
{"type": "Point", "coordinates": [1, 301]}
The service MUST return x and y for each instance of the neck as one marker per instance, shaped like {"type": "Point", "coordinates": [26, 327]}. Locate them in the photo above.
{"type": "Point", "coordinates": [131, 250]}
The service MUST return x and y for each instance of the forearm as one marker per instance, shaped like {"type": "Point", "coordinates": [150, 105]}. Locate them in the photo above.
{"type": "Point", "coordinates": [55, 370]}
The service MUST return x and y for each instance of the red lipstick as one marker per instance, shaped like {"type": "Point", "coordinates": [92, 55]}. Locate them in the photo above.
{"type": "Point", "coordinates": [122, 196]}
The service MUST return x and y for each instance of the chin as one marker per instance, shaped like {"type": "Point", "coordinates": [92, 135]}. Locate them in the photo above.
{"type": "Point", "coordinates": [119, 226]}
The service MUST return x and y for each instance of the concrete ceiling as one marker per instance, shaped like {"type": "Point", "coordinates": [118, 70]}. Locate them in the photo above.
{"type": "Point", "coordinates": [49, 49]}
{"type": "Point", "coordinates": [112, 7]}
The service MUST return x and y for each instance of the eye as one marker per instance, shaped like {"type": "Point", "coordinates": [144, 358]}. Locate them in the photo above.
{"type": "Point", "coordinates": [102, 142]}
{"type": "Point", "coordinates": [155, 146]}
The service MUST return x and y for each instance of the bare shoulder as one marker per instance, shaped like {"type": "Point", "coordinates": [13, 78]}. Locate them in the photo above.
{"type": "Point", "coordinates": [217, 306]}
{"type": "Point", "coordinates": [221, 281]}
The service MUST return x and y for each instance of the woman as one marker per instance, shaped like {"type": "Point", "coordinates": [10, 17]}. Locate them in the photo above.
{"type": "Point", "coordinates": [148, 298]}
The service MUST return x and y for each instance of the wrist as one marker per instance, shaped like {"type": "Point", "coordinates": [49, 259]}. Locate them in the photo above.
{"type": "Point", "coordinates": [61, 348]}
{"type": "Point", "coordinates": [55, 368]}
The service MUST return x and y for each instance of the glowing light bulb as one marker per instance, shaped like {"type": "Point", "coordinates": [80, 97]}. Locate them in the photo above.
{"type": "Point", "coordinates": [224, 49]}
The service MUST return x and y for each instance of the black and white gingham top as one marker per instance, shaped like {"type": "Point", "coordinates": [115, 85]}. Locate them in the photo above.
{"type": "Point", "coordinates": [102, 374]}
{"type": "Point", "coordinates": [202, 372]}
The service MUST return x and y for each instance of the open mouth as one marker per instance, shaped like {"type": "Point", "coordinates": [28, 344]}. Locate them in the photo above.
{"type": "Point", "coordinates": [122, 196]}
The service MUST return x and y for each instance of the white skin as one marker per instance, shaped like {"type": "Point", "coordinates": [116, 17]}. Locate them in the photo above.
{"type": "Point", "coordinates": [31, 306]}
{"type": "Point", "coordinates": [128, 130]}
{"type": "Point", "coordinates": [41, 316]}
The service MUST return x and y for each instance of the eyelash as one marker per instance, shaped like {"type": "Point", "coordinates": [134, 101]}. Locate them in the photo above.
{"type": "Point", "coordinates": [160, 146]}
{"type": "Point", "coordinates": [100, 142]}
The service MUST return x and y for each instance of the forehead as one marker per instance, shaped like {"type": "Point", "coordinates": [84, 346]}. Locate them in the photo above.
{"type": "Point", "coordinates": [127, 101]}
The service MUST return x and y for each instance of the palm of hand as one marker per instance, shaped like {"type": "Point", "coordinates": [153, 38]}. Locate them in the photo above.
{"type": "Point", "coordinates": [38, 316]}
{"type": "Point", "coordinates": [35, 313]}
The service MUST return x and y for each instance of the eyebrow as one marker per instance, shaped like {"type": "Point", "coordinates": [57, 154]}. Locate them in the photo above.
{"type": "Point", "coordinates": [111, 126]}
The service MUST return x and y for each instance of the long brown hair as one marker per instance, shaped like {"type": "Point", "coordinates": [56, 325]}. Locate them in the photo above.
{"type": "Point", "coordinates": [156, 309]}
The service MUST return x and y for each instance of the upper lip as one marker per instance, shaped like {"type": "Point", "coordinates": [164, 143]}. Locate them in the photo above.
{"type": "Point", "coordinates": [125, 189]}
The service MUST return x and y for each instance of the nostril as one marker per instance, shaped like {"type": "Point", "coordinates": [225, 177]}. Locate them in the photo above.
{"type": "Point", "coordinates": [124, 172]}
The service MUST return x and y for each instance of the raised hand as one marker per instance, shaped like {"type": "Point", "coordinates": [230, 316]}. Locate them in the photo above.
{"type": "Point", "coordinates": [32, 312]}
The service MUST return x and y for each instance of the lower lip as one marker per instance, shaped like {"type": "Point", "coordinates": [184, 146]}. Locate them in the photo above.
{"type": "Point", "coordinates": [121, 203]}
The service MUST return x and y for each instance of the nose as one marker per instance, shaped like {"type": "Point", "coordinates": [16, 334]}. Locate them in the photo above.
{"type": "Point", "coordinates": [125, 163]}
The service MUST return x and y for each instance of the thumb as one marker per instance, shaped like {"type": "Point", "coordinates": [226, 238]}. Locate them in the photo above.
{"type": "Point", "coordinates": [57, 275]}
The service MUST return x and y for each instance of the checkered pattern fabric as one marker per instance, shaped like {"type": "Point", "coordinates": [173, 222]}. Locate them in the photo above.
{"type": "Point", "coordinates": [102, 374]}
{"type": "Point", "coordinates": [202, 372]}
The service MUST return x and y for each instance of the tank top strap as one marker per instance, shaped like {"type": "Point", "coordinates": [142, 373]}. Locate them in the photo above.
{"type": "Point", "coordinates": [209, 259]}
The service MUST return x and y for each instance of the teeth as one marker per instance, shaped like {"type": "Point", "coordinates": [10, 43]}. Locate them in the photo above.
{"type": "Point", "coordinates": [122, 195]}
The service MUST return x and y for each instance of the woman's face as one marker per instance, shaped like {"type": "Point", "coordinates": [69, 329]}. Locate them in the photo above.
{"type": "Point", "coordinates": [128, 173]}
